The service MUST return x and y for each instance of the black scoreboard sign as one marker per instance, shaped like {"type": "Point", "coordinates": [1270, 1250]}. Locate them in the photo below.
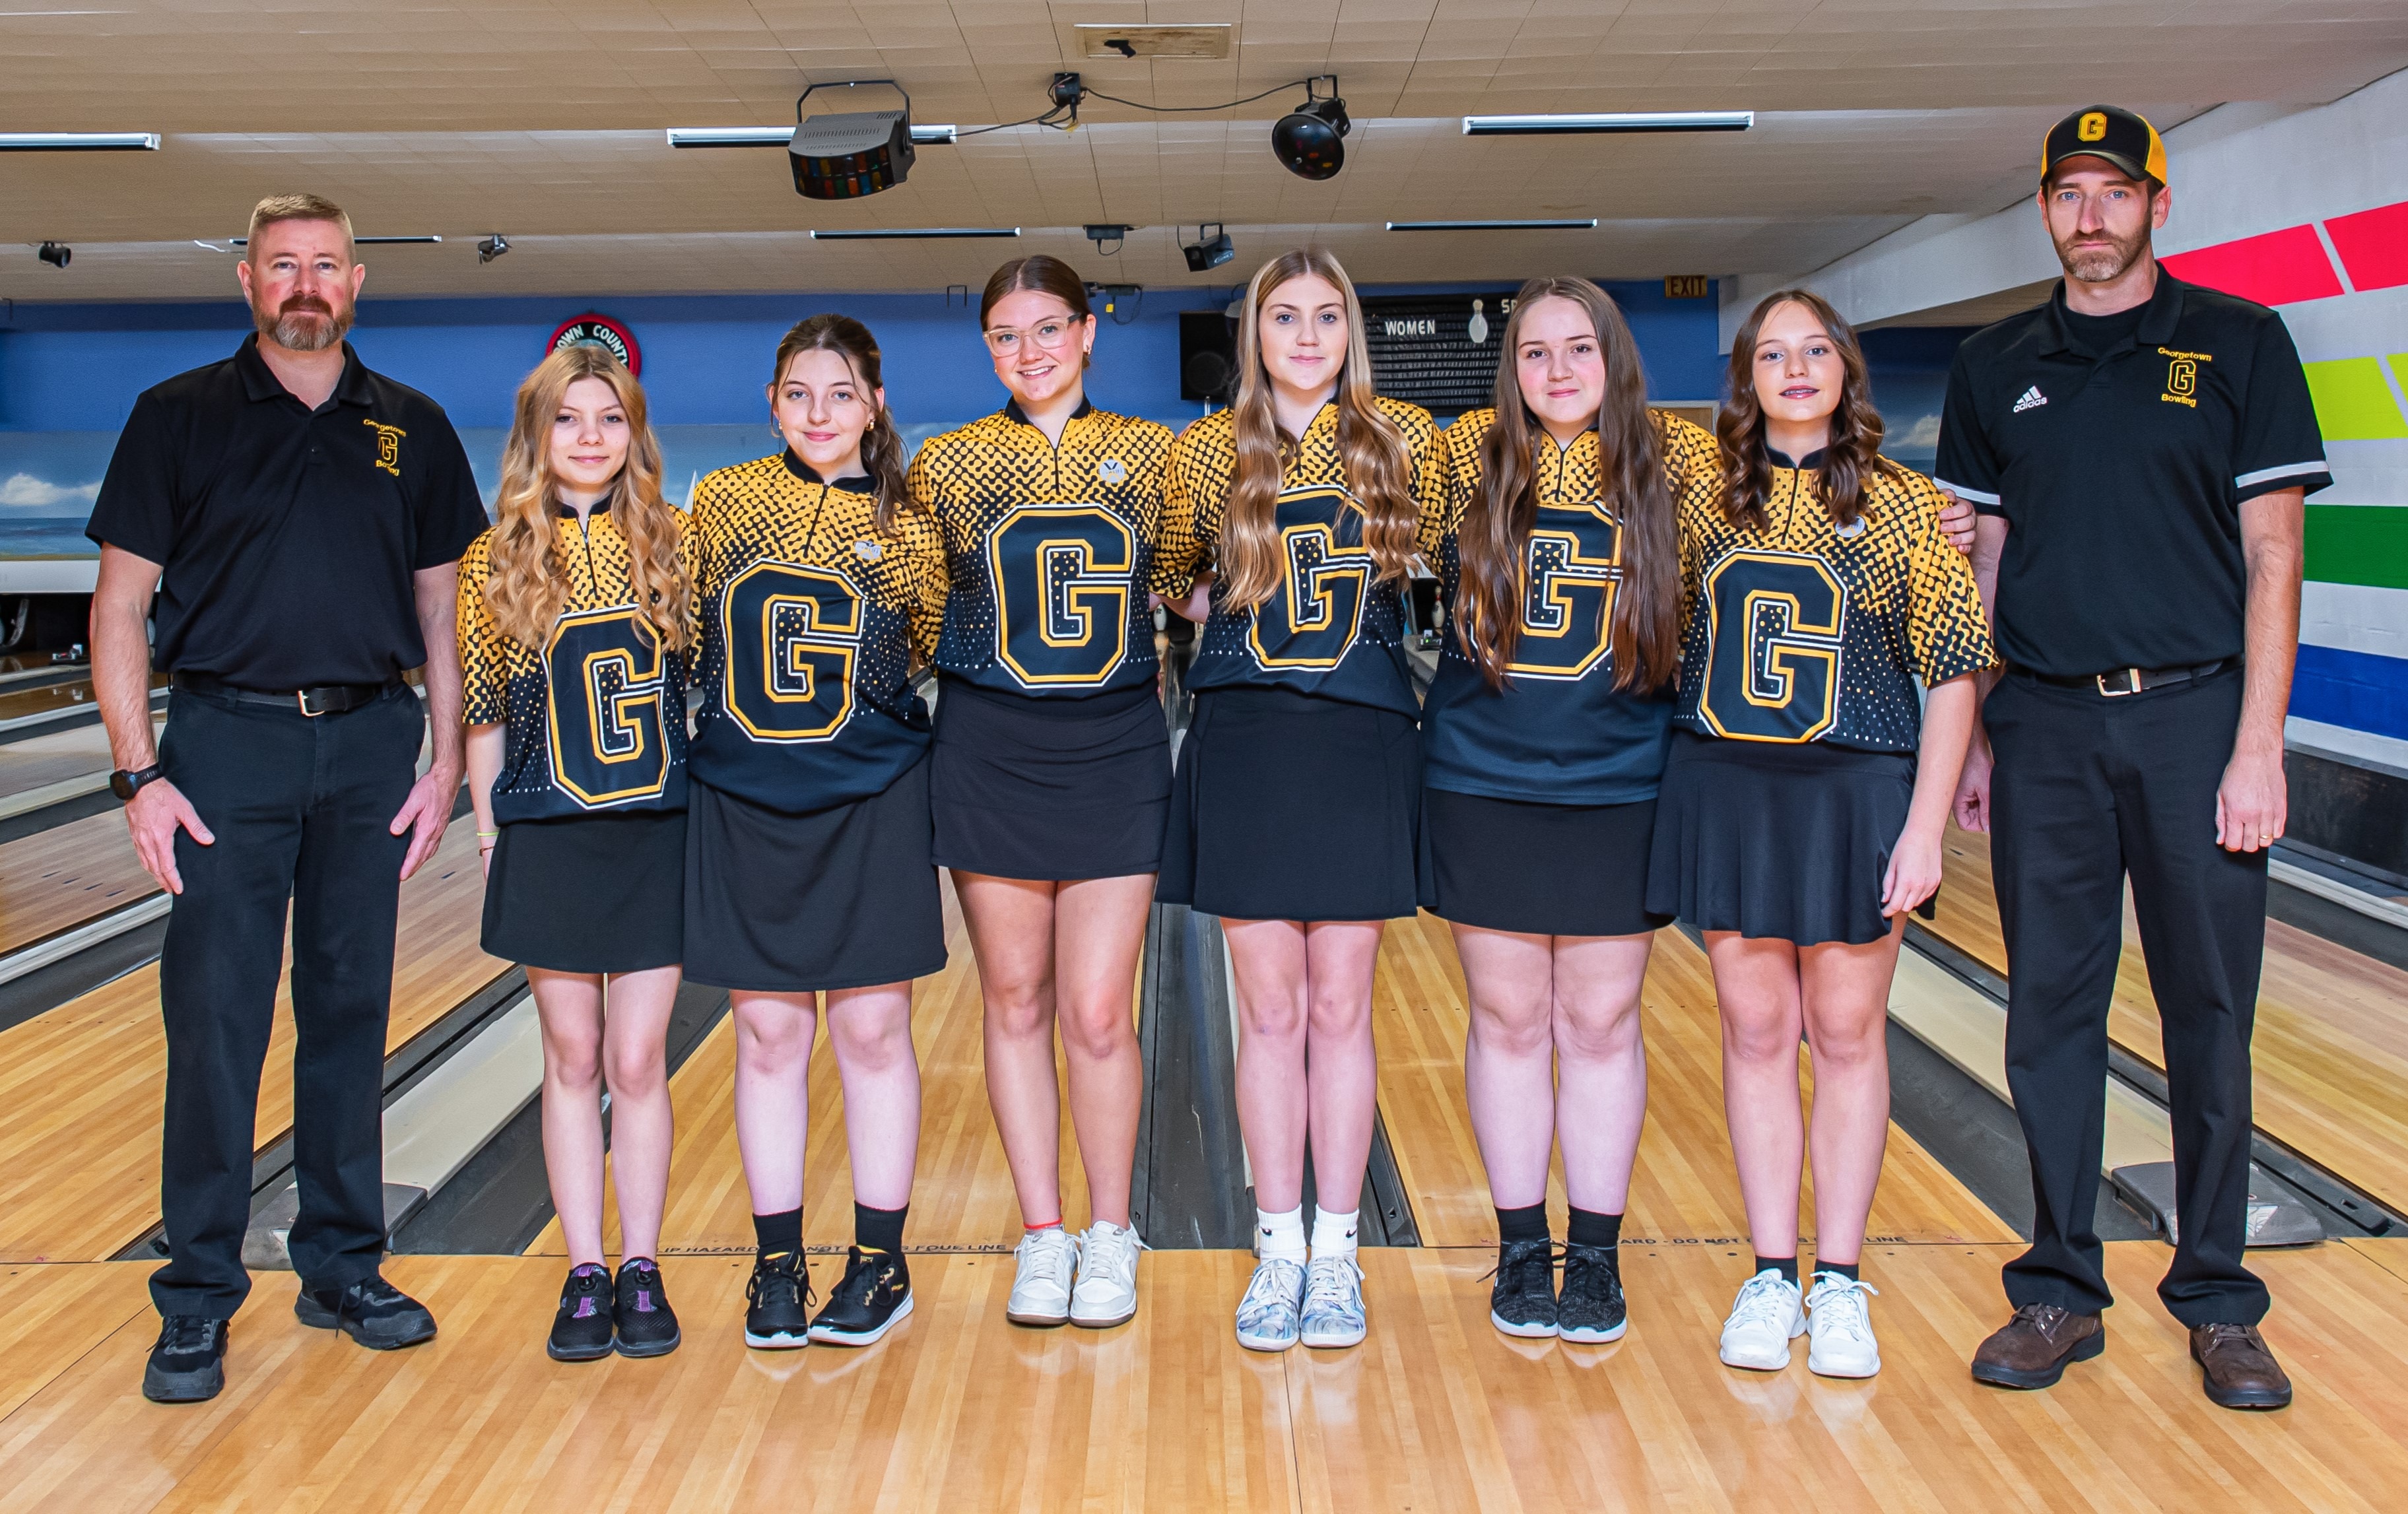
{"type": "Point", "coordinates": [1439, 351]}
{"type": "Point", "coordinates": [603, 332]}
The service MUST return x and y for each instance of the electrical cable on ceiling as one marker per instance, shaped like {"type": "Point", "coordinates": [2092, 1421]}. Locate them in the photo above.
{"type": "Point", "coordinates": [1064, 114]}
{"type": "Point", "coordinates": [1276, 88]}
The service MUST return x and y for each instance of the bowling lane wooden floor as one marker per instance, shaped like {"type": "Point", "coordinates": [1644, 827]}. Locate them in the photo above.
{"type": "Point", "coordinates": [2330, 1052]}
{"type": "Point", "coordinates": [56, 880]}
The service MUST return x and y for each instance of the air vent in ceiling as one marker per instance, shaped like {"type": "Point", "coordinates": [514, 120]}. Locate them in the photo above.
{"type": "Point", "coordinates": [1103, 40]}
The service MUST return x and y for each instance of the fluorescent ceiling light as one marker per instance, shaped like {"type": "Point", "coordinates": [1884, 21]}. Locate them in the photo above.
{"type": "Point", "coordinates": [1612, 121]}
{"type": "Point", "coordinates": [719, 136]}
{"type": "Point", "coordinates": [79, 141]}
{"type": "Point", "coordinates": [1493, 226]}
{"type": "Point", "coordinates": [883, 233]}
{"type": "Point", "coordinates": [357, 241]}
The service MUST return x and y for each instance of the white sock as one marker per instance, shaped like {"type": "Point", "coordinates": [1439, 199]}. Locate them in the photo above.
{"type": "Point", "coordinates": [1280, 1236]}
{"type": "Point", "coordinates": [1333, 1234]}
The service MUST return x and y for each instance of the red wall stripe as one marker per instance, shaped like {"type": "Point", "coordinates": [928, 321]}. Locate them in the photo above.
{"type": "Point", "coordinates": [2373, 246]}
{"type": "Point", "coordinates": [2279, 268]}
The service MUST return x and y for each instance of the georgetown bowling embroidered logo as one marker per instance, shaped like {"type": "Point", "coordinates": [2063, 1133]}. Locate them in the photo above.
{"type": "Point", "coordinates": [1112, 471]}
{"type": "Point", "coordinates": [388, 446]}
{"type": "Point", "coordinates": [2032, 398]}
{"type": "Point", "coordinates": [2182, 375]}
{"type": "Point", "coordinates": [869, 552]}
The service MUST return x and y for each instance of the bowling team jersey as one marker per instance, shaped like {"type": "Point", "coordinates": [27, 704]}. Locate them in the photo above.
{"type": "Point", "coordinates": [1560, 731]}
{"type": "Point", "coordinates": [1329, 629]}
{"type": "Point", "coordinates": [1808, 631]}
{"type": "Point", "coordinates": [809, 621]}
{"type": "Point", "coordinates": [594, 718]}
{"type": "Point", "coordinates": [1050, 550]}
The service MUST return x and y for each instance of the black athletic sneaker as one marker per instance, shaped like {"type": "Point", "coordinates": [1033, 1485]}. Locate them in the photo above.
{"type": "Point", "coordinates": [1522, 1301]}
{"type": "Point", "coordinates": [647, 1325]}
{"type": "Point", "coordinates": [371, 1311]}
{"type": "Point", "coordinates": [1592, 1311]}
{"type": "Point", "coordinates": [777, 1303]}
{"type": "Point", "coordinates": [875, 1295]}
{"type": "Point", "coordinates": [582, 1331]}
{"type": "Point", "coordinates": [188, 1363]}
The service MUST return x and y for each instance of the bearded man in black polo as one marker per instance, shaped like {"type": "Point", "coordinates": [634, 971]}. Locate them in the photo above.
{"type": "Point", "coordinates": [2138, 448]}
{"type": "Point", "coordinates": [297, 522]}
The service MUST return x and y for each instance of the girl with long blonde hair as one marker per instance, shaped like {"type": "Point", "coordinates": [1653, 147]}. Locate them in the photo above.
{"type": "Point", "coordinates": [573, 632]}
{"type": "Point", "coordinates": [1295, 803]}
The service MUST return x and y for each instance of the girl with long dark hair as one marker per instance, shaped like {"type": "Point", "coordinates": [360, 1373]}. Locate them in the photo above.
{"type": "Point", "coordinates": [1052, 767]}
{"type": "Point", "coordinates": [573, 611]}
{"type": "Point", "coordinates": [1294, 804]}
{"type": "Point", "coordinates": [808, 880]}
{"type": "Point", "coordinates": [1801, 811]}
{"type": "Point", "coordinates": [1543, 740]}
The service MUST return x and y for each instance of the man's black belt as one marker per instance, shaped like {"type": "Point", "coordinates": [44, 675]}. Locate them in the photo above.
{"type": "Point", "coordinates": [325, 699]}
{"type": "Point", "coordinates": [2132, 681]}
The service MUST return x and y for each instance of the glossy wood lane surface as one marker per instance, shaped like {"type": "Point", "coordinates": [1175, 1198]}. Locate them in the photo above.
{"type": "Point", "coordinates": [32, 762]}
{"type": "Point", "coordinates": [2330, 1052]}
{"type": "Point", "coordinates": [960, 1410]}
{"type": "Point", "coordinates": [1685, 1187]}
{"type": "Point", "coordinates": [82, 1084]}
{"type": "Point", "coordinates": [57, 880]}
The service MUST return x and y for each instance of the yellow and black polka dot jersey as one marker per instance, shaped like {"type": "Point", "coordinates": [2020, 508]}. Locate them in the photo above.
{"type": "Point", "coordinates": [594, 718]}
{"type": "Point", "coordinates": [1050, 550]}
{"type": "Point", "coordinates": [1560, 731]}
{"type": "Point", "coordinates": [1808, 631]}
{"type": "Point", "coordinates": [1329, 629]}
{"type": "Point", "coordinates": [810, 620]}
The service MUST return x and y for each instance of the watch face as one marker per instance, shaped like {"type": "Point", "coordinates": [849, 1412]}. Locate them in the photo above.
{"type": "Point", "coordinates": [121, 783]}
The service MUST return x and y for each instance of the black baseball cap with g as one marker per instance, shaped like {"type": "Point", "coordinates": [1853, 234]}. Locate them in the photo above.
{"type": "Point", "coordinates": [2109, 132]}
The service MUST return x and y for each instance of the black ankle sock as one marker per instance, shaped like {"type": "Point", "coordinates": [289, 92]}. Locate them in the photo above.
{"type": "Point", "coordinates": [775, 1233]}
{"type": "Point", "coordinates": [878, 1230]}
{"type": "Point", "coordinates": [1848, 1270]}
{"type": "Point", "coordinates": [1590, 1228]}
{"type": "Point", "coordinates": [1786, 1265]}
{"type": "Point", "coordinates": [1527, 1223]}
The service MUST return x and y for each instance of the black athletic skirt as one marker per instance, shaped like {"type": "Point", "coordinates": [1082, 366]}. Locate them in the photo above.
{"type": "Point", "coordinates": [797, 903]}
{"type": "Point", "coordinates": [1788, 842]}
{"type": "Point", "coordinates": [1049, 789]}
{"type": "Point", "coordinates": [1286, 806]}
{"type": "Point", "coordinates": [598, 894]}
{"type": "Point", "coordinates": [1505, 865]}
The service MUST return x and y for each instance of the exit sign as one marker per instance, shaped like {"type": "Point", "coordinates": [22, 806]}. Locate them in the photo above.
{"type": "Point", "coordinates": [1688, 286]}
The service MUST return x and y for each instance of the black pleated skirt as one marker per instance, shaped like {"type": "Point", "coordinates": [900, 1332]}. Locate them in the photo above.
{"type": "Point", "coordinates": [798, 904]}
{"type": "Point", "coordinates": [1505, 865]}
{"type": "Point", "coordinates": [597, 893]}
{"type": "Point", "coordinates": [1286, 806]}
{"type": "Point", "coordinates": [1049, 789]}
{"type": "Point", "coordinates": [1779, 841]}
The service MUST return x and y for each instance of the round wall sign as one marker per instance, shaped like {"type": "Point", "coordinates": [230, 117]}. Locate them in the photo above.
{"type": "Point", "coordinates": [602, 332]}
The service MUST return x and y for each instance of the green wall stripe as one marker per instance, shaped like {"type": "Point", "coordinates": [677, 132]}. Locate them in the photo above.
{"type": "Point", "coordinates": [2364, 544]}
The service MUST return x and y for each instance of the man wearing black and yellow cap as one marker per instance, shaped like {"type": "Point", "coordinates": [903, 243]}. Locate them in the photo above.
{"type": "Point", "coordinates": [2138, 448]}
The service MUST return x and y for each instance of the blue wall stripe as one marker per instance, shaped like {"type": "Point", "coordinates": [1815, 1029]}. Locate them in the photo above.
{"type": "Point", "coordinates": [2358, 689]}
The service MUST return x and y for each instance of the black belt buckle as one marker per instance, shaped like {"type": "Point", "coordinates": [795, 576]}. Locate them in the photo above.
{"type": "Point", "coordinates": [2131, 677]}
{"type": "Point", "coordinates": [302, 697]}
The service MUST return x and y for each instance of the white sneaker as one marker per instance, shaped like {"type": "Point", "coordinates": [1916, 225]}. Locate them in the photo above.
{"type": "Point", "coordinates": [1840, 1328]}
{"type": "Point", "coordinates": [1268, 1315]}
{"type": "Point", "coordinates": [1106, 1291]}
{"type": "Point", "coordinates": [1040, 1281]}
{"type": "Point", "coordinates": [1764, 1320]}
{"type": "Point", "coordinates": [1333, 1303]}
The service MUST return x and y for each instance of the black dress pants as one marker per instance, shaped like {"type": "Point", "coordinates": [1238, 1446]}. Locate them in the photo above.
{"type": "Point", "coordinates": [2088, 789]}
{"type": "Point", "coordinates": [300, 808]}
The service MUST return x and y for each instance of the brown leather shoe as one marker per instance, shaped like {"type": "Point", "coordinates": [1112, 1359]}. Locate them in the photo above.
{"type": "Point", "coordinates": [2237, 1369]}
{"type": "Point", "coordinates": [2033, 1348]}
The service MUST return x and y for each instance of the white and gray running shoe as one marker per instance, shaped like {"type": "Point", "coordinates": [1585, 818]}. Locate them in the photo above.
{"type": "Point", "coordinates": [1105, 1294]}
{"type": "Point", "coordinates": [1333, 1301]}
{"type": "Point", "coordinates": [1840, 1328]}
{"type": "Point", "coordinates": [1042, 1266]}
{"type": "Point", "coordinates": [1267, 1316]}
{"type": "Point", "coordinates": [1764, 1318]}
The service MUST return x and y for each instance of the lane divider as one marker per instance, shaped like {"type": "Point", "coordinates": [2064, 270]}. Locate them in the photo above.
{"type": "Point", "coordinates": [92, 933]}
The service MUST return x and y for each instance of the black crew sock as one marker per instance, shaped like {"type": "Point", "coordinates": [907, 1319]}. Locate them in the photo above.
{"type": "Point", "coordinates": [1590, 1228]}
{"type": "Point", "coordinates": [778, 1233]}
{"type": "Point", "coordinates": [1786, 1265]}
{"type": "Point", "coordinates": [1528, 1223]}
{"type": "Point", "coordinates": [1847, 1270]}
{"type": "Point", "coordinates": [878, 1230]}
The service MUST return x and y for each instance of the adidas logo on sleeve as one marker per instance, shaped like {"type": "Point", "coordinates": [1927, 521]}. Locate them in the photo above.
{"type": "Point", "coordinates": [2031, 399]}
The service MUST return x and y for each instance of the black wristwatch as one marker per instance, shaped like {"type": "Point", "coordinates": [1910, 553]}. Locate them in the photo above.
{"type": "Point", "coordinates": [126, 785]}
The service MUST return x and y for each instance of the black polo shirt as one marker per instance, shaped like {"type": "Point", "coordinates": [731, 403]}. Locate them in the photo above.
{"type": "Point", "coordinates": [287, 536]}
{"type": "Point", "coordinates": [2119, 461]}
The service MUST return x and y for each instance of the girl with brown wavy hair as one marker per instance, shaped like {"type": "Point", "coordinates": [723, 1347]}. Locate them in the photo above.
{"type": "Point", "coordinates": [1802, 805]}
{"type": "Point", "coordinates": [573, 624]}
{"type": "Point", "coordinates": [1545, 740]}
{"type": "Point", "coordinates": [1294, 804]}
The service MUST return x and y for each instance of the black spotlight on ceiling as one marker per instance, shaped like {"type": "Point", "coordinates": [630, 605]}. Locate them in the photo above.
{"type": "Point", "coordinates": [1210, 249]}
{"type": "Point", "coordinates": [492, 246]}
{"type": "Point", "coordinates": [845, 157]}
{"type": "Point", "coordinates": [55, 253]}
{"type": "Point", "coordinates": [1306, 139]}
